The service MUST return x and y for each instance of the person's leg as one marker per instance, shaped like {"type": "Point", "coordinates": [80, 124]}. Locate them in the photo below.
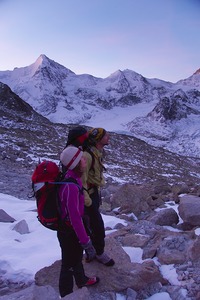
{"type": "Point", "coordinates": [96, 224]}
{"type": "Point", "coordinates": [72, 255]}
{"type": "Point", "coordinates": [66, 272]}
{"type": "Point", "coordinates": [65, 281]}
{"type": "Point", "coordinates": [97, 230]}
{"type": "Point", "coordinates": [78, 270]}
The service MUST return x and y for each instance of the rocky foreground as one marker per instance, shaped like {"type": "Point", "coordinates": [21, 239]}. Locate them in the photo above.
{"type": "Point", "coordinates": [166, 236]}
{"type": "Point", "coordinates": [140, 179]}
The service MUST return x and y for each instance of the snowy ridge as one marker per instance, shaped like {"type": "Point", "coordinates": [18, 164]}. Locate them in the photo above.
{"type": "Point", "coordinates": [161, 113]}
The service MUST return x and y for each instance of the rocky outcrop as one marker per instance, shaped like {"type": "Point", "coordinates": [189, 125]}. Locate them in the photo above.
{"type": "Point", "coordinates": [121, 276]}
{"type": "Point", "coordinates": [173, 108]}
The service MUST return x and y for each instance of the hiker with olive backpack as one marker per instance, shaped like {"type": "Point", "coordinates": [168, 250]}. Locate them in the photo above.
{"type": "Point", "coordinates": [93, 142]}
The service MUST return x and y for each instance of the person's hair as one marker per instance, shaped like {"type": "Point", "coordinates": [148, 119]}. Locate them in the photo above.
{"type": "Point", "coordinates": [96, 134]}
{"type": "Point", "coordinates": [77, 137]}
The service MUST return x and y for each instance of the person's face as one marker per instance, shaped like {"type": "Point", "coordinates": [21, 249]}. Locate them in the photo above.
{"type": "Point", "coordinates": [105, 140]}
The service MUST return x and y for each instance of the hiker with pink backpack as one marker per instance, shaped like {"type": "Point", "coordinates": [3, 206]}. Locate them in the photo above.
{"type": "Point", "coordinates": [72, 235]}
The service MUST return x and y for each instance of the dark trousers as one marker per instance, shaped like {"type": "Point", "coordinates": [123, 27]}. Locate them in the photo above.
{"type": "Point", "coordinates": [96, 225]}
{"type": "Point", "coordinates": [71, 264]}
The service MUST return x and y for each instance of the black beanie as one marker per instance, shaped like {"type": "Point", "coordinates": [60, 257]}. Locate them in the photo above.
{"type": "Point", "coordinates": [74, 133]}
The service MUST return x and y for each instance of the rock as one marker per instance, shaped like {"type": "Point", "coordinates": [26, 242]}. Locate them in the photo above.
{"type": "Point", "coordinates": [5, 218]}
{"type": "Point", "coordinates": [154, 201]}
{"type": "Point", "coordinates": [81, 294]}
{"type": "Point", "coordinates": [134, 240]}
{"type": "Point", "coordinates": [174, 249]}
{"type": "Point", "coordinates": [178, 189]}
{"type": "Point", "coordinates": [162, 188]}
{"type": "Point", "coordinates": [189, 209]}
{"type": "Point", "coordinates": [131, 198]}
{"type": "Point", "coordinates": [21, 227]}
{"type": "Point", "coordinates": [131, 294]}
{"type": "Point", "coordinates": [150, 250]}
{"type": "Point", "coordinates": [194, 252]}
{"type": "Point", "coordinates": [165, 217]}
{"type": "Point", "coordinates": [32, 293]}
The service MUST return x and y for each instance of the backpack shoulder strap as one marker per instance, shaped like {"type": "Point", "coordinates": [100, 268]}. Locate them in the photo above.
{"type": "Point", "coordinates": [70, 180]}
{"type": "Point", "coordinates": [94, 155]}
{"type": "Point", "coordinates": [89, 150]}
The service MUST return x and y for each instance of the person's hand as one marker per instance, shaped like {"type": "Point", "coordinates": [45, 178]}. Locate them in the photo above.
{"type": "Point", "coordinates": [89, 250]}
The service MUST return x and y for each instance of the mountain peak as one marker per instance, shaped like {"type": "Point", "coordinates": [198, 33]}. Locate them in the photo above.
{"type": "Point", "coordinates": [197, 72]}
{"type": "Point", "coordinates": [43, 56]}
{"type": "Point", "coordinates": [42, 60]}
{"type": "Point", "coordinates": [43, 63]}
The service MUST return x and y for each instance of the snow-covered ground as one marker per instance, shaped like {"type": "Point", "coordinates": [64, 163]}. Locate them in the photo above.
{"type": "Point", "coordinates": [21, 256]}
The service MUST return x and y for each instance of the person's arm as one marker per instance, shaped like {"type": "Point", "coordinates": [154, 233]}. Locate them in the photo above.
{"type": "Point", "coordinates": [73, 208]}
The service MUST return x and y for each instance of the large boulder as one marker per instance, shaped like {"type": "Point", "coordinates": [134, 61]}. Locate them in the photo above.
{"type": "Point", "coordinates": [189, 209]}
{"type": "Point", "coordinates": [123, 275]}
{"type": "Point", "coordinates": [165, 217]}
{"type": "Point", "coordinates": [131, 198]}
{"type": "Point", "coordinates": [174, 249]}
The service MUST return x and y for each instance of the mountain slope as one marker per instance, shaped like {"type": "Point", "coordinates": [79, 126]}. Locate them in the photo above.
{"type": "Point", "coordinates": [29, 137]}
{"type": "Point", "coordinates": [161, 113]}
{"type": "Point", "coordinates": [174, 124]}
{"type": "Point", "coordinates": [14, 109]}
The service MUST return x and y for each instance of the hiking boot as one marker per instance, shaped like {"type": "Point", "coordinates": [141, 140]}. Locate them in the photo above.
{"type": "Point", "coordinates": [105, 259]}
{"type": "Point", "coordinates": [91, 281]}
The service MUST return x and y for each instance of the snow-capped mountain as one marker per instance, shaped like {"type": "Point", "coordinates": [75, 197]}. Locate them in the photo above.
{"type": "Point", "coordinates": [27, 137]}
{"type": "Point", "coordinates": [174, 123]}
{"type": "Point", "coordinates": [59, 94]}
{"type": "Point", "coordinates": [161, 113]}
